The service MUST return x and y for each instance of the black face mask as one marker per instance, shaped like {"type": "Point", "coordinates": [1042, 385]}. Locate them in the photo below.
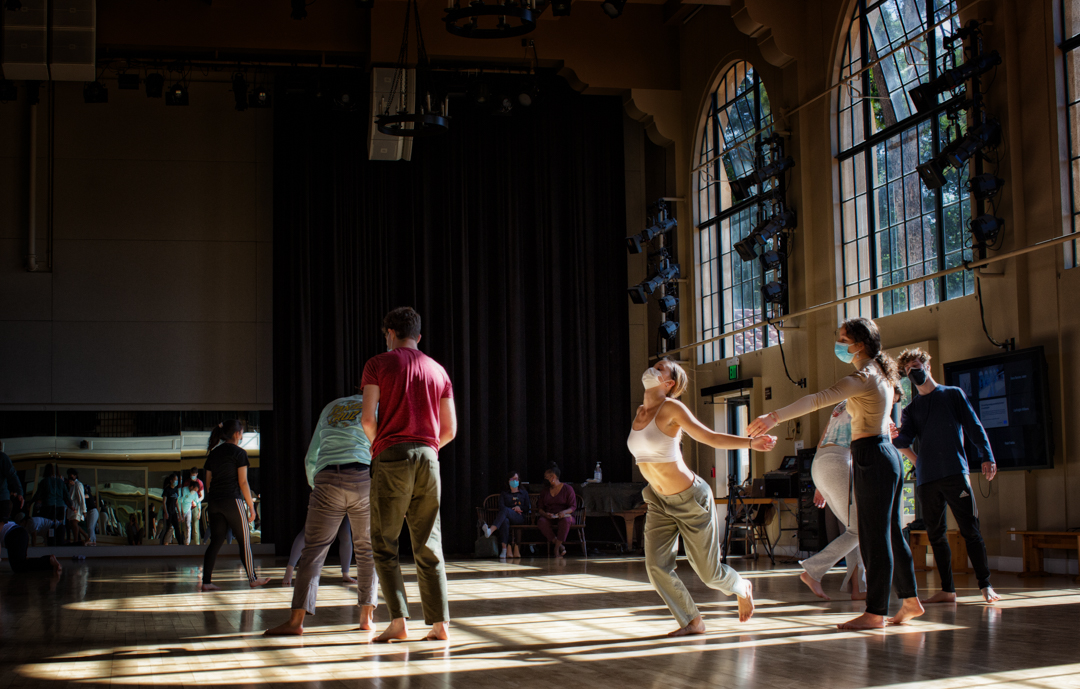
{"type": "Point", "coordinates": [917, 376]}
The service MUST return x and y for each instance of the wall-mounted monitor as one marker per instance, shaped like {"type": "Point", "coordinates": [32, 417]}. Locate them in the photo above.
{"type": "Point", "coordinates": [1011, 396]}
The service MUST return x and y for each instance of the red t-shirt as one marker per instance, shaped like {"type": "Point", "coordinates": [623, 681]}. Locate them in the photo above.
{"type": "Point", "coordinates": [411, 385]}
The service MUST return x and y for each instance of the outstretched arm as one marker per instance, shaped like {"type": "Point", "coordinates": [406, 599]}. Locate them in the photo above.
{"type": "Point", "coordinates": [721, 441]}
{"type": "Point", "coordinates": [844, 388]}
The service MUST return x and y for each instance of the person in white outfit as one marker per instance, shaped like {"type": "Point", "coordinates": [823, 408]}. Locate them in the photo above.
{"type": "Point", "coordinates": [76, 511]}
{"type": "Point", "coordinates": [189, 502]}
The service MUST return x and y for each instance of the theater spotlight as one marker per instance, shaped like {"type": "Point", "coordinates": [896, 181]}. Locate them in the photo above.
{"type": "Point", "coordinates": [987, 135]}
{"type": "Point", "coordinates": [634, 244]}
{"type": "Point", "coordinates": [176, 95]}
{"type": "Point", "coordinates": [155, 85]}
{"type": "Point", "coordinates": [986, 228]}
{"type": "Point", "coordinates": [772, 259]}
{"type": "Point", "coordinates": [668, 304]}
{"type": "Point", "coordinates": [260, 97]}
{"type": "Point", "coordinates": [95, 92]}
{"type": "Point", "coordinates": [239, 91]}
{"type": "Point", "coordinates": [746, 248]}
{"type": "Point", "coordinates": [669, 329]}
{"type": "Point", "coordinates": [985, 186]}
{"type": "Point", "coordinates": [740, 188]}
{"type": "Point", "coordinates": [128, 82]}
{"type": "Point", "coordinates": [639, 294]}
{"type": "Point", "coordinates": [772, 227]}
{"type": "Point", "coordinates": [560, 8]}
{"type": "Point", "coordinates": [613, 8]}
{"type": "Point", "coordinates": [774, 292]}
{"type": "Point", "coordinates": [924, 96]}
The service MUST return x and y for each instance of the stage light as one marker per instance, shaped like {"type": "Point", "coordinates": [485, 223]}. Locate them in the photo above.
{"type": "Point", "coordinates": [299, 9]}
{"type": "Point", "coordinates": [772, 259]}
{"type": "Point", "coordinates": [260, 97]}
{"type": "Point", "coordinates": [613, 8]}
{"type": "Point", "coordinates": [985, 186]}
{"type": "Point", "coordinates": [636, 243]}
{"type": "Point", "coordinates": [740, 188]}
{"type": "Point", "coordinates": [480, 94]}
{"type": "Point", "coordinates": [239, 90]}
{"type": "Point", "coordinates": [932, 173]}
{"type": "Point", "coordinates": [527, 94]}
{"type": "Point", "coordinates": [639, 293]}
{"type": "Point", "coordinates": [128, 82]}
{"type": "Point", "coordinates": [154, 84]}
{"type": "Point", "coordinates": [669, 303]}
{"type": "Point", "coordinates": [746, 248]}
{"type": "Point", "coordinates": [176, 95]}
{"type": "Point", "coordinates": [560, 8]}
{"type": "Point", "coordinates": [95, 92]}
{"type": "Point", "coordinates": [771, 227]}
{"type": "Point", "coordinates": [503, 105]}
{"type": "Point", "coordinates": [669, 329]}
{"type": "Point", "coordinates": [924, 96]}
{"type": "Point", "coordinates": [774, 292]}
{"type": "Point", "coordinates": [8, 91]}
{"type": "Point", "coordinates": [986, 135]}
{"type": "Point", "coordinates": [985, 228]}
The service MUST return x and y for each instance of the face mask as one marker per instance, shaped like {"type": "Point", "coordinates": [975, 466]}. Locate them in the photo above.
{"type": "Point", "coordinates": [515, 484]}
{"type": "Point", "coordinates": [917, 376]}
{"type": "Point", "coordinates": [842, 352]}
{"type": "Point", "coordinates": [651, 378]}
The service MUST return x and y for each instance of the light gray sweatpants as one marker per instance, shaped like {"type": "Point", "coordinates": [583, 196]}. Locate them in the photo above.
{"type": "Point", "coordinates": [692, 515]}
{"type": "Point", "coordinates": [338, 493]}
{"type": "Point", "coordinates": [831, 472]}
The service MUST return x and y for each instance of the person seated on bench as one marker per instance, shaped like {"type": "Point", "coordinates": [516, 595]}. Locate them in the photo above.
{"type": "Point", "coordinates": [514, 508]}
{"type": "Point", "coordinates": [556, 506]}
{"type": "Point", "coordinates": [16, 540]}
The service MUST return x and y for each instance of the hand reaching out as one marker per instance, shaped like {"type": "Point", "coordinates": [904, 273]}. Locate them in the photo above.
{"type": "Point", "coordinates": [761, 424]}
{"type": "Point", "coordinates": [763, 443]}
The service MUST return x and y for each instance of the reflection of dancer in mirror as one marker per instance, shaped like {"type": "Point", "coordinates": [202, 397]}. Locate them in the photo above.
{"type": "Point", "coordinates": [16, 540]}
{"type": "Point", "coordinates": [879, 485]}
{"type": "Point", "coordinates": [680, 502]}
{"type": "Point", "coordinates": [229, 499]}
{"type": "Point", "coordinates": [942, 419]}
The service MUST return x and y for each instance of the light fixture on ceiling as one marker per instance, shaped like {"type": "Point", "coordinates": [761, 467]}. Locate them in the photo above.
{"type": "Point", "coordinates": [417, 113]}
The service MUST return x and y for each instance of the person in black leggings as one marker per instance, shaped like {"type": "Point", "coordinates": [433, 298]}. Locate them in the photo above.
{"type": "Point", "coordinates": [229, 500]}
{"type": "Point", "coordinates": [16, 540]}
{"type": "Point", "coordinates": [170, 496]}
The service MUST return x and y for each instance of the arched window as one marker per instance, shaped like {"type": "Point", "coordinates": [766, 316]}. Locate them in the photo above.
{"type": "Point", "coordinates": [737, 118]}
{"type": "Point", "coordinates": [893, 227]}
{"type": "Point", "coordinates": [1070, 41]}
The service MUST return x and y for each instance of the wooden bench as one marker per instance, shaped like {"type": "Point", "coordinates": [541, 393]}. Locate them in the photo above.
{"type": "Point", "coordinates": [529, 532]}
{"type": "Point", "coordinates": [1035, 541]}
{"type": "Point", "coordinates": [920, 541]}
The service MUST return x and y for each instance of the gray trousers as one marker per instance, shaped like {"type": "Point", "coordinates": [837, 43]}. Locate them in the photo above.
{"type": "Point", "coordinates": [338, 494]}
{"type": "Point", "coordinates": [831, 472]}
{"type": "Point", "coordinates": [692, 515]}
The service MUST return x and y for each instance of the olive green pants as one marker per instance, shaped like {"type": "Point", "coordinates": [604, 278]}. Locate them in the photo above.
{"type": "Point", "coordinates": [405, 487]}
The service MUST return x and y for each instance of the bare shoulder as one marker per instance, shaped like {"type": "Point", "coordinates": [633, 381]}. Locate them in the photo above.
{"type": "Point", "coordinates": [672, 411]}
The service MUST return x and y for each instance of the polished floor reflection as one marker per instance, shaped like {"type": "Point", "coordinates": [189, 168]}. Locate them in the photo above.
{"type": "Point", "coordinates": [532, 623]}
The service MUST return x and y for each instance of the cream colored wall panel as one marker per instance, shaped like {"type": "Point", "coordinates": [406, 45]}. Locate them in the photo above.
{"type": "Point", "coordinates": [154, 363]}
{"type": "Point", "coordinates": [133, 127]}
{"type": "Point", "coordinates": [25, 355]}
{"type": "Point", "coordinates": [155, 281]}
{"type": "Point", "coordinates": [23, 296]}
{"type": "Point", "coordinates": [265, 369]}
{"type": "Point", "coordinates": [264, 202]}
{"type": "Point", "coordinates": [132, 199]}
{"type": "Point", "coordinates": [264, 282]}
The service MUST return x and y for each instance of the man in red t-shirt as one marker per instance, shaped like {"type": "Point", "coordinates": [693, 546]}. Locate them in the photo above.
{"type": "Point", "coordinates": [416, 418]}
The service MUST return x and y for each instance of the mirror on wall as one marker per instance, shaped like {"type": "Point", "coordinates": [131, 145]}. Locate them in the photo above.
{"type": "Point", "coordinates": [125, 460]}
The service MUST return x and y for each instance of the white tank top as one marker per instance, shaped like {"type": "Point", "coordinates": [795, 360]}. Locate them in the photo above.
{"type": "Point", "coordinates": [651, 445]}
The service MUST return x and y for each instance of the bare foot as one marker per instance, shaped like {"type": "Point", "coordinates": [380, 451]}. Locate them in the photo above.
{"type": "Point", "coordinates": [814, 585]}
{"type": "Point", "coordinates": [260, 582]}
{"type": "Point", "coordinates": [864, 621]}
{"type": "Point", "coordinates": [346, 579]}
{"type": "Point", "coordinates": [367, 618]}
{"type": "Point", "coordinates": [209, 587]}
{"type": "Point", "coordinates": [911, 609]}
{"type": "Point", "coordinates": [517, 551]}
{"type": "Point", "coordinates": [990, 595]}
{"type": "Point", "coordinates": [746, 605]}
{"type": "Point", "coordinates": [440, 631]}
{"type": "Point", "coordinates": [397, 631]}
{"type": "Point", "coordinates": [696, 626]}
{"type": "Point", "coordinates": [858, 595]}
{"type": "Point", "coordinates": [286, 629]}
{"type": "Point", "coordinates": [940, 597]}
{"type": "Point", "coordinates": [56, 568]}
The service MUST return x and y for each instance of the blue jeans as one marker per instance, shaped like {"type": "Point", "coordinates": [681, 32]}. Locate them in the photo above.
{"type": "Point", "coordinates": [503, 521]}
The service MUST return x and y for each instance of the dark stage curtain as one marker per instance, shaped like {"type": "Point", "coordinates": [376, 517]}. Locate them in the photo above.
{"type": "Point", "coordinates": [506, 234]}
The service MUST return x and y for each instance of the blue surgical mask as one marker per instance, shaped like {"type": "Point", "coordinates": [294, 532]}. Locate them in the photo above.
{"type": "Point", "coordinates": [842, 352]}
{"type": "Point", "coordinates": [515, 484]}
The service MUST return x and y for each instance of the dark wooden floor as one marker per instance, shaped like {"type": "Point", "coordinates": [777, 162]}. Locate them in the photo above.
{"type": "Point", "coordinates": [535, 624]}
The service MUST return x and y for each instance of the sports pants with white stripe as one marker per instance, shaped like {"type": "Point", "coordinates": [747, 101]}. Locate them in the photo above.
{"type": "Point", "coordinates": [225, 515]}
{"type": "Point", "coordinates": [954, 491]}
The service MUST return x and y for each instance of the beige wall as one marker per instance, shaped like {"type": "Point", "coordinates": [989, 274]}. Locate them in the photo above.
{"type": "Point", "coordinates": [160, 287]}
{"type": "Point", "coordinates": [1024, 304]}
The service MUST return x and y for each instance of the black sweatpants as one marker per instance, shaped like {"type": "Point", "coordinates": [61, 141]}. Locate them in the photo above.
{"type": "Point", "coordinates": [954, 491]}
{"type": "Point", "coordinates": [17, 540]}
{"type": "Point", "coordinates": [224, 515]}
{"type": "Point", "coordinates": [879, 491]}
{"type": "Point", "coordinates": [172, 515]}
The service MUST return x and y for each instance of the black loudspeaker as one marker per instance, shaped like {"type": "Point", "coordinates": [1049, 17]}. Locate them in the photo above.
{"type": "Point", "coordinates": [812, 534]}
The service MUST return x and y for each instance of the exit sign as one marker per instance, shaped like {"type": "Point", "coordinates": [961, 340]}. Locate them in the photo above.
{"type": "Point", "coordinates": [733, 372]}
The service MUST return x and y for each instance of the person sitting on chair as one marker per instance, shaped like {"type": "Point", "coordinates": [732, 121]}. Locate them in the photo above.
{"type": "Point", "coordinates": [556, 506]}
{"type": "Point", "coordinates": [514, 508]}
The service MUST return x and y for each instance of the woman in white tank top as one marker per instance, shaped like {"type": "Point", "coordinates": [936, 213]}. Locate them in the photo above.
{"type": "Point", "coordinates": [680, 502]}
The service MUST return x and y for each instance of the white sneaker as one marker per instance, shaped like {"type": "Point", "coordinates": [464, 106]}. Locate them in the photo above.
{"type": "Point", "coordinates": [488, 530]}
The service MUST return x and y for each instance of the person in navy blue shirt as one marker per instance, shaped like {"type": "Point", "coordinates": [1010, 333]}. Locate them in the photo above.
{"type": "Point", "coordinates": [942, 419]}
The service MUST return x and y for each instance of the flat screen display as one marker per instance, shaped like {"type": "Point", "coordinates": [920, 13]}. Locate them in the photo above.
{"type": "Point", "coordinates": [1009, 393]}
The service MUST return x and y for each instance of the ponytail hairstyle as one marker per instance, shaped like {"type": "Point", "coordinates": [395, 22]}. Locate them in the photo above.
{"type": "Point", "coordinates": [865, 331]}
{"type": "Point", "coordinates": [224, 431]}
{"type": "Point", "coordinates": [678, 374]}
